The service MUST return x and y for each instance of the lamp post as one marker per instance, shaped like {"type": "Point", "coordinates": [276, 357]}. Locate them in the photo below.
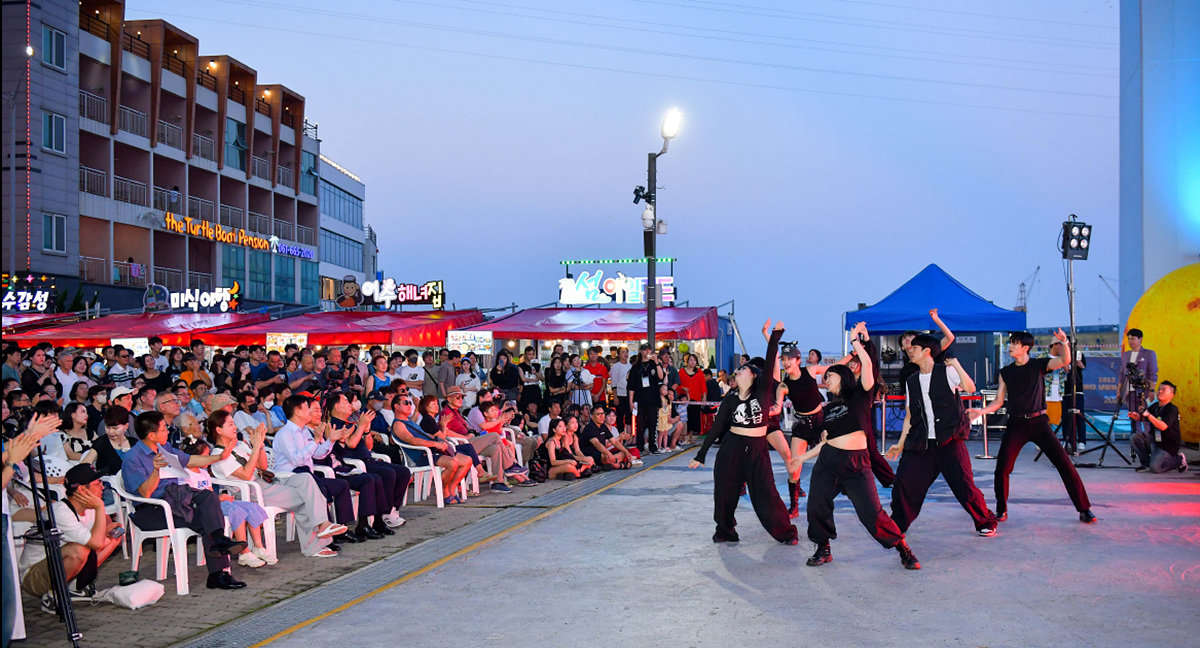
{"type": "Point", "coordinates": [12, 165]}
{"type": "Point", "coordinates": [650, 222]}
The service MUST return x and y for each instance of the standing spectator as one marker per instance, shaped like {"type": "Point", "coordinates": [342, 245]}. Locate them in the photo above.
{"type": "Point", "coordinates": [531, 377]}
{"type": "Point", "coordinates": [160, 360]}
{"type": "Point", "coordinates": [556, 381]}
{"type": "Point", "coordinates": [12, 362]}
{"type": "Point", "coordinates": [670, 373]}
{"type": "Point", "coordinates": [505, 377]}
{"type": "Point", "coordinates": [175, 366]}
{"type": "Point", "coordinates": [448, 370]}
{"type": "Point", "coordinates": [429, 381]}
{"type": "Point", "coordinates": [618, 376]}
{"type": "Point", "coordinates": [39, 373]}
{"type": "Point", "coordinates": [578, 381]}
{"type": "Point", "coordinates": [153, 377]}
{"type": "Point", "coordinates": [599, 369]}
{"type": "Point", "coordinates": [693, 386]}
{"type": "Point", "coordinates": [1145, 362]}
{"type": "Point", "coordinates": [644, 380]}
{"type": "Point", "coordinates": [670, 428]}
{"type": "Point", "coordinates": [412, 374]}
{"type": "Point", "coordinates": [468, 382]}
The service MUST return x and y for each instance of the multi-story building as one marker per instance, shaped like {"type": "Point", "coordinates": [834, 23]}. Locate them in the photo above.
{"type": "Point", "coordinates": [347, 243]}
{"type": "Point", "coordinates": [149, 162]}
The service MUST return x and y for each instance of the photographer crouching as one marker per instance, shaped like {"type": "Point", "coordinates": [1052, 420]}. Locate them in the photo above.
{"type": "Point", "coordinates": [1158, 448]}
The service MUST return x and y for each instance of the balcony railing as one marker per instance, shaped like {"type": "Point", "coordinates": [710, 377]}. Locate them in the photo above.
{"type": "Point", "coordinates": [204, 147]}
{"type": "Point", "coordinates": [261, 106]}
{"type": "Point", "coordinates": [232, 216]}
{"type": "Point", "coordinates": [284, 176]}
{"type": "Point", "coordinates": [259, 223]}
{"type": "Point", "coordinates": [260, 168]}
{"type": "Point", "coordinates": [93, 181]}
{"type": "Point", "coordinates": [130, 191]}
{"type": "Point", "coordinates": [166, 200]}
{"type": "Point", "coordinates": [93, 107]}
{"type": "Point", "coordinates": [202, 281]}
{"type": "Point", "coordinates": [175, 64]}
{"type": "Point", "coordinates": [135, 45]}
{"type": "Point", "coordinates": [132, 121]}
{"type": "Point", "coordinates": [93, 25]}
{"type": "Point", "coordinates": [237, 95]}
{"type": "Point", "coordinates": [93, 269]}
{"type": "Point", "coordinates": [205, 210]}
{"type": "Point", "coordinates": [287, 120]}
{"type": "Point", "coordinates": [125, 273]}
{"type": "Point", "coordinates": [306, 235]}
{"type": "Point", "coordinates": [206, 80]}
{"type": "Point", "coordinates": [169, 278]}
{"type": "Point", "coordinates": [284, 230]}
{"type": "Point", "coordinates": [170, 134]}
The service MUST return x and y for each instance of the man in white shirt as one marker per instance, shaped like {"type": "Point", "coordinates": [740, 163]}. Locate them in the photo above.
{"type": "Point", "coordinates": [63, 373]}
{"type": "Point", "coordinates": [293, 450]}
{"type": "Point", "coordinates": [552, 412]}
{"type": "Point", "coordinates": [618, 377]}
{"type": "Point", "coordinates": [88, 538]}
{"type": "Point", "coordinates": [160, 360]}
{"type": "Point", "coordinates": [248, 415]}
{"type": "Point", "coordinates": [413, 374]}
{"type": "Point", "coordinates": [122, 373]}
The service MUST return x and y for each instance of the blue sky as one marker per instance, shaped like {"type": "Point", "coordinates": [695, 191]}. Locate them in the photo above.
{"type": "Point", "coordinates": [830, 149]}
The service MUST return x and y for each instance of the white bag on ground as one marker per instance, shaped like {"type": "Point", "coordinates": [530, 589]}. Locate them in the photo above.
{"type": "Point", "coordinates": [138, 595]}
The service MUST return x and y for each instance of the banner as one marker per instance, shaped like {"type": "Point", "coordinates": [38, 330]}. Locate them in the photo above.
{"type": "Point", "coordinates": [592, 288]}
{"type": "Point", "coordinates": [465, 341]}
{"type": "Point", "coordinates": [137, 346]}
{"type": "Point", "coordinates": [1100, 382]}
{"type": "Point", "coordinates": [279, 341]}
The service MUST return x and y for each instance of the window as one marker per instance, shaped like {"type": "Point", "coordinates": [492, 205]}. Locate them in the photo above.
{"type": "Point", "coordinates": [328, 289]}
{"type": "Point", "coordinates": [235, 144]}
{"type": "Point", "coordinates": [54, 233]}
{"type": "Point", "coordinates": [336, 203]}
{"type": "Point", "coordinates": [233, 265]}
{"type": "Point", "coordinates": [339, 250]}
{"type": "Point", "coordinates": [285, 279]}
{"type": "Point", "coordinates": [310, 282]}
{"type": "Point", "coordinates": [54, 48]}
{"type": "Point", "coordinates": [308, 173]}
{"type": "Point", "coordinates": [259, 280]}
{"type": "Point", "coordinates": [54, 132]}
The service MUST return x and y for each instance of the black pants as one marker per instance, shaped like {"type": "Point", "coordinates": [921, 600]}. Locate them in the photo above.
{"type": "Point", "coordinates": [371, 496]}
{"type": "Point", "coordinates": [623, 413]}
{"type": "Point", "coordinates": [647, 427]}
{"type": "Point", "coordinates": [694, 419]}
{"type": "Point", "coordinates": [916, 473]}
{"type": "Point", "coordinates": [207, 520]}
{"type": "Point", "coordinates": [879, 463]}
{"type": "Point", "coordinates": [849, 472]}
{"type": "Point", "coordinates": [394, 453]}
{"type": "Point", "coordinates": [395, 481]}
{"type": "Point", "coordinates": [338, 492]}
{"type": "Point", "coordinates": [1037, 430]}
{"type": "Point", "coordinates": [745, 460]}
{"type": "Point", "coordinates": [1074, 429]}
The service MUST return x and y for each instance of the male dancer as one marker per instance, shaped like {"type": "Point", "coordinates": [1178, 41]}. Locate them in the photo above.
{"type": "Point", "coordinates": [934, 417]}
{"type": "Point", "coordinates": [800, 386]}
{"type": "Point", "coordinates": [906, 338]}
{"type": "Point", "coordinates": [1023, 384]}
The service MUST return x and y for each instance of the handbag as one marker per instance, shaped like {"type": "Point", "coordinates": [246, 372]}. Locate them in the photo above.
{"type": "Point", "coordinates": [137, 595]}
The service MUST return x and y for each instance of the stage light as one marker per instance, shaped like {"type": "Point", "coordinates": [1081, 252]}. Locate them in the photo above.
{"type": "Point", "coordinates": [1076, 239]}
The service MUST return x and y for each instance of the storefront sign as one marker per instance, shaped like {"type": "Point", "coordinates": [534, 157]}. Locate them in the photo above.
{"type": "Point", "coordinates": [385, 292]}
{"type": "Point", "coordinates": [222, 299]}
{"type": "Point", "coordinates": [137, 346]}
{"type": "Point", "coordinates": [26, 301]}
{"type": "Point", "coordinates": [287, 249]}
{"type": "Point", "coordinates": [466, 341]}
{"type": "Point", "coordinates": [213, 232]}
{"type": "Point", "coordinates": [279, 341]}
{"type": "Point", "coordinates": [593, 288]}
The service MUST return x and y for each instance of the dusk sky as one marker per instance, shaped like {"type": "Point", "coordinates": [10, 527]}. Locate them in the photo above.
{"type": "Point", "coordinates": [829, 150]}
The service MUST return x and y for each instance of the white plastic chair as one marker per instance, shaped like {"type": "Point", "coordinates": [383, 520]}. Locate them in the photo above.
{"type": "Point", "coordinates": [249, 491]}
{"type": "Point", "coordinates": [428, 477]}
{"type": "Point", "coordinates": [170, 542]}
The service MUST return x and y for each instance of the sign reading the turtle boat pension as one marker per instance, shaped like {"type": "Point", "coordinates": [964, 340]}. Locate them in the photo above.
{"type": "Point", "coordinates": [214, 232]}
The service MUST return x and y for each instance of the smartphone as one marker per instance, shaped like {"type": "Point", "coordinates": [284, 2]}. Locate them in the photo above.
{"type": "Point", "coordinates": [116, 532]}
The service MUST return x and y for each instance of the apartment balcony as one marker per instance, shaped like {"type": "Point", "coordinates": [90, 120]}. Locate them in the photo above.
{"type": "Point", "coordinates": [93, 181]}
{"type": "Point", "coordinates": [205, 210]}
{"type": "Point", "coordinates": [169, 278]}
{"type": "Point", "coordinates": [287, 120]}
{"type": "Point", "coordinates": [166, 200]}
{"type": "Point", "coordinates": [259, 223]}
{"type": "Point", "coordinates": [236, 95]}
{"type": "Point", "coordinates": [285, 230]}
{"type": "Point", "coordinates": [260, 168]}
{"type": "Point", "coordinates": [125, 273]}
{"type": "Point", "coordinates": [283, 176]}
{"type": "Point", "coordinates": [93, 25]}
{"type": "Point", "coordinates": [93, 269]}
{"type": "Point", "coordinates": [206, 80]}
{"type": "Point", "coordinates": [130, 191]}
{"type": "Point", "coordinates": [170, 135]}
{"type": "Point", "coordinates": [306, 235]}
{"type": "Point", "coordinates": [93, 107]}
{"type": "Point", "coordinates": [175, 64]}
{"type": "Point", "coordinates": [232, 217]}
{"type": "Point", "coordinates": [136, 46]}
{"type": "Point", "coordinates": [202, 281]}
{"type": "Point", "coordinates": [204, 147]}
{"type": "Point", "coordinates": [132, 121]}
{"type": "Point", "coordinates": [262, 107]}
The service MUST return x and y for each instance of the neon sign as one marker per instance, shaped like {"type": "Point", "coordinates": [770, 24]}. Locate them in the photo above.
{"type": "Point", "coordinates": [223, 299]}
{"type": "Point", "coordinates": [387, 291]}
{"type": "Point", "coordinates": [213, 232]}
{"type": "Point", "coordinates": [593, 288]}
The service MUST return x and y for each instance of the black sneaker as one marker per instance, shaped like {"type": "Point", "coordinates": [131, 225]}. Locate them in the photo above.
{"type": "Point", "coordinates": [1087, 517]}
{"type": "Point", "coordinates": [824, 554]}
{"type": "Point", "coordinates": [49, 606]}
{"type": "Point", "coordinates": [906, 556]}
{"type": "Point", "coordinates": [725, 538]}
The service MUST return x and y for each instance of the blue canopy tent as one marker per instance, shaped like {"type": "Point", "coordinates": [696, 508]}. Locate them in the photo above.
{"type": "Point", "coordinates": [907, 308]}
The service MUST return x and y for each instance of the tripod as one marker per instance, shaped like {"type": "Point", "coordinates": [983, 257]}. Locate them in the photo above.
{"type": "Point", "coordinates": [51, 537]}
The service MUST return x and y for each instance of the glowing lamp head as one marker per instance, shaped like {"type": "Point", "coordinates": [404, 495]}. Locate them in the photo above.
{"type": "Point", "coordinates": [670, 125]}
{"type": "Point", "coordinates": [29, 50]}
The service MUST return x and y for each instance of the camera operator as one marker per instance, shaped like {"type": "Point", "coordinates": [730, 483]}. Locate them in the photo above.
{"type": "Point", "coordinates": [643, 381]}
{"type": "Point", "coordinates": [1158, 451]}
{"type": "Point", "coordinates": [1139, 368]}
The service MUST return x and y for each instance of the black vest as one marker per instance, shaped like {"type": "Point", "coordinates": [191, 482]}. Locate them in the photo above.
{"type": "Point", "coordinates": [950, 419]}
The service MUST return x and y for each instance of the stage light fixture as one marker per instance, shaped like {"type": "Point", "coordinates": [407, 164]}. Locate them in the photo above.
{"type": "Point", "coordinates": [1076, 239]}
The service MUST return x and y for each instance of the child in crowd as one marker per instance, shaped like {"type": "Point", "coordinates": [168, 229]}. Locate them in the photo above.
{"type": "Point", "coordinates": [242, 515]}
{"type": "Point", "coordinates": [670, 425]}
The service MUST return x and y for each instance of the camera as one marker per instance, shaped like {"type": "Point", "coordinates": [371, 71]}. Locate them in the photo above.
{"type": "Point", "coordinates": [1136, 378]}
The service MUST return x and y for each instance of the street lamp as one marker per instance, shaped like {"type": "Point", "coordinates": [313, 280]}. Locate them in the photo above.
{"type": "Point", "coordinates": [650, 222]}
{"type": "Point", "coordinates": [11, 98]}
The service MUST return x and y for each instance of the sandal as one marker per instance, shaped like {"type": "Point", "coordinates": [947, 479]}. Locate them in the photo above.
{"type": "Point", "coordinates": [453, 499]}
{"type": "Point", "coordinates": [325, 552]}
{"type": "Point", "coordinates": [332, 530]}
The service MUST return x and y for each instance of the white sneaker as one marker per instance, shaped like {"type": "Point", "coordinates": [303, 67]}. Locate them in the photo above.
{"type": "Point", "coordinates": [266, 557]}
{"type": "Point", "coordinates": [635, 462]}
{"type": "Point", "coordinates": [251, 560]}
{"type": "Point", "coordinates": [393, 520]}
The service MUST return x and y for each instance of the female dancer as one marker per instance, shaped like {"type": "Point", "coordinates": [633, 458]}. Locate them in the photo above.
{"type": "Point", "coordinates": [844, 464]}
{"type": "Point", "coordinates": [743, 457]}
{"type": "Point", "coordinates": [799, 385]}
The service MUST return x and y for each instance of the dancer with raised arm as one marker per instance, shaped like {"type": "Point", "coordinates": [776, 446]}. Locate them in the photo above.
{"type": "Point", "coordinates": [743, 457]}
{"type": "Point", "coordinates": [799, 385]}
{"type": "Point", "coordinates": [844, 464]}
{"type": "Point", "coordinates": [1023, 386]}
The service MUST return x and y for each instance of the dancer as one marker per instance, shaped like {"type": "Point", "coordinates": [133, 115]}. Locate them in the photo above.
{"type": "Point", "coordinates": [743, 457]}
{"type": "Point", "coordinates": [799, 385]}
{"type": "Point", "coordinates": [879, 465]}
{"type": "Point", "coordinates": [906, 338]}
{"type": "Point", "coordinates": [939, 428]}
{"type": "Point", "coordinates": [844, 464]}
{"type": "Point", "coordinates": [1023, 384]}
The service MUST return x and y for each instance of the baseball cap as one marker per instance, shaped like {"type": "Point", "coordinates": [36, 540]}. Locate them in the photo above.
{"type": "Point", "coordinates": [119, 392]}
{"type": "Point", "coordinates": [645, 346]}
{"type": "Point", "coordinates": [81, 474]}
{"type": "Point", "coordinates": [375, 395]}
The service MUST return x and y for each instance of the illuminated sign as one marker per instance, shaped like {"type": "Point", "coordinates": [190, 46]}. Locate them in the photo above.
{"type": "Point", "coordinates": [593, 288]}
{"type": "Point", "coordinates": [223, 299]}
{"type": "Point", "coordinates": [287, 249]}
{"type": "Point", "coordinates": [24, 301]}
{"type": "Point", "coordinates": [387, 292]}
{"type": "Point", "coordinates": [279, 341]}
{"type": "Point", "coordinates": [213, 231]}
{"type": "Point", "coordinates": [466, 341]}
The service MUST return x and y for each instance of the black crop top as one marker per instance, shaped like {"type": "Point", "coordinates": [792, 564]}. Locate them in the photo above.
{"type": "Point", "coordinates": [751, 412]}
{"type": "Point", "coordinates": [844, 417]}
{"type": "Point", "coordinates": [803, 391]}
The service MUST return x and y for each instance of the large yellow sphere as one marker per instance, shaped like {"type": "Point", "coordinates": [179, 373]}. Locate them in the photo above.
{"type": "Point", "coordinates": [1169, 316]}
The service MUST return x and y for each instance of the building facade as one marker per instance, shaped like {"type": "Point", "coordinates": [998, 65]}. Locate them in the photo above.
{"type": "Point", "coordinates": [348, 244]}
{"type": "Point", "coordinates": [147, 162]}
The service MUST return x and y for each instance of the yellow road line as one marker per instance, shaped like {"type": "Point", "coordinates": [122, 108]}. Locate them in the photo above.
{"type": "Point", "coordinates": [441, 561]}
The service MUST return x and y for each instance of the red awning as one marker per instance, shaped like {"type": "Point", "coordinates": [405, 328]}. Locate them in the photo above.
{"type": "Point", "coordinates": [417, 329]}
{"type": "Point", "coordinates": [26, 321]}
{"type": "Point", "coordinates": [603, 323]}
{"type": "Point", "coordinates": [176, 329]}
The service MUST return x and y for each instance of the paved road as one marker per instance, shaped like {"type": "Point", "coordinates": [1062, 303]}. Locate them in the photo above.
{"type": "Point", "coordinates": [633, 566]}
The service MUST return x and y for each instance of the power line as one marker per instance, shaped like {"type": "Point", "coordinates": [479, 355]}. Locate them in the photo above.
{"type": "Point", "coordinates": [663, 53]}
{"type": "Point", "coordinates": [979, 15]}
{"type": "Point", "coordinates": [661, 75]}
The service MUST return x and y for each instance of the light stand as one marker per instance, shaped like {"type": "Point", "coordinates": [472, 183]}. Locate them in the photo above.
{"type": "Point", "coordinates": [650, 222]}
{"type": "Point", "coordinates": [51, 539]}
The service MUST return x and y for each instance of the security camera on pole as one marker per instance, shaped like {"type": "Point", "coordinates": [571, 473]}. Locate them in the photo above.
{"type": "Point", "coordinates": [650, 222]}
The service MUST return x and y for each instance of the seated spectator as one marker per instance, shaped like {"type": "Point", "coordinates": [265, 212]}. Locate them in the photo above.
{"type": "Point", "coordinates": [557, 457]}
{"type": "Point", "coordinates": [248, 415]}
{"type": "Point", "coordinates": [217, 402]}
{"type": "Point", "coordinates": [141, 472]}
{"type": "Point", "coordinates": [97, 402]}
{"type": "Point", "coordinates": [493, 441]}
{"type": "Point", "coordinates": [570, 443]}
{"type": "Point", "coordinates": [528, 422]}
{"type": "Point", "coordinates": [88, 539]}
{"type": "Point", "coordinates": [553, 410]}
{"type": "Point", "coordinates": [597, 443]}
{"type": "Point", "coordinates": [74, 435]}
{"type": "Point", "coordinates": [670, 425]}
{"type": "Point", "coordinates": [454, 466]}
{"type": "Point", "coordinates": [167, 404]}
{"type": "Point", "coordinates": [244, 517]}
{"type": "Point", "coordinates": [442, 427]}
{"type": "Point", "coordinates": [198, 390]}
{"type": "Point", "coordinates": [357, 444]}
{"type": "Point", "coordinates": [108, 451]}
{"type": "Point", "coordinates": [1159, 451]}
{"type": "Point", "coordinates": [621, 441]}
{"type": "Point", "coordinates": [295, 492]}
